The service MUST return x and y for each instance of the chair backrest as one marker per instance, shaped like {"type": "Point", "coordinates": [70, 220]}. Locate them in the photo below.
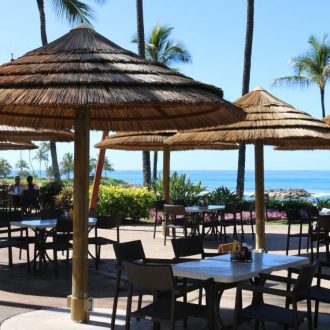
{"type": "Point", "coordinates": [174, 210]}
{"type": "Point", "coordinates": [108, 222]}
{"type": "Point", "coordinates": [225, 248]}
{"type": "Point", "coordinates": [32, 194]}
{"type": "Point", "coordinates": [323, 222]}
{"type": "Point", "coordinates": [64, 226]}
{"type": "Point", "coordinates": [7, 217]}
{"type": "Point", "coordinates": [246, 206]}
{"type": "Point", "coordinates": [129, 251]}
{"type": "Point", "coordinates": [159, 205]}
{"type": "Point", "coordinates": [231, 207]}
{"type": "Point", "coordinates": [178, 202]}
{"type": "Point", "coordinates": [151, 277]}
{"type": "Point", "coordinates": [292, 215]}
{"type": "Point", "coordinates": [305, 278]}
{"type": "Point", "coordinates": [185, 247]}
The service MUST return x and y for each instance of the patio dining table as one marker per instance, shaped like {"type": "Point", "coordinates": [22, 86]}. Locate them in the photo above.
{"type": "Point", "coordinates": [41, 228]}
{"type": "Point", "coordinates": [223, 271]}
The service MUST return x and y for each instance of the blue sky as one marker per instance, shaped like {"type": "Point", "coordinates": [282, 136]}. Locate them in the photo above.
{"type": "Point", "coordinates": [214, 32]}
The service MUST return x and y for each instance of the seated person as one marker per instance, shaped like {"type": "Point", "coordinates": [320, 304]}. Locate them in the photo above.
{"type": "Point", "coordinates": [15, 191]}
{"type": "Point", "coordinates": [30, 194]}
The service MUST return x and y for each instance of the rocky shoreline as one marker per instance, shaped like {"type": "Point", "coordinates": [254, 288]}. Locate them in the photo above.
{"type": "Point", "coordinates": [287, 193]}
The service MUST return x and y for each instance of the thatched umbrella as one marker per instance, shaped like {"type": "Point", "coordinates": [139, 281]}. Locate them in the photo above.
{"type": "Point", "coordinates": [156, 141]}
{"type": "Point", "coordinates": [327, 119]}
{"type": "Point", "coordinates": [14, 133]}
{"type": "Point", "coordinates": [85, 81]}
{"type": "Point", "coordinates": [269, 121]}
{"type": "Point", "coordinates": [8, 145]}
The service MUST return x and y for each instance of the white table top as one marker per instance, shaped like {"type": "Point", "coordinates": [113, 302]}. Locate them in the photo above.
{"type": "Point", "coordinates": [199, 209]}
{"type": "Point", "coordinates": [222, 270]}
{"type": "Point", "coordinates": [44, 224]}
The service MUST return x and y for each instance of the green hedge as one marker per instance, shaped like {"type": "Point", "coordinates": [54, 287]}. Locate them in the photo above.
{"type": "Point", "coordinates": [132, 203]}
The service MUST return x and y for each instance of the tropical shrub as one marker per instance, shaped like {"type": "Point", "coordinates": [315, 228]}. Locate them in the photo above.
{"type": "Point", "coordinates": [181, 189]}
{"type": "Point", "coordinates": [132, 202]}
{"type": "Point", "coordinates": [274, 204]}
{"type": "Point", "coordinates": [293, 204]}
{"type": "Point", "coordinates": [64, 200]}
{"type": "Point", "coordinates": [48, 191]}
{"type": "Point", "coordinates": [322, 203]}
{"type": "Point", "coordinates": [222, 195]}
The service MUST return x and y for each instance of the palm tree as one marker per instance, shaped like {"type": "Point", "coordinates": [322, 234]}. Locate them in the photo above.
{"type": "Point", "coordinates": [162, 49]}
{"type": "Point", "coordinates": [141, 52]}
{"type": "Point", "coordinates": [22, 165]}
{"type": "Point", "coordinates": [92, 164]}
{"type": "Point", "coordinates": [67, 164]}
{"type": "Point", "coordinates": [245, 89]}
{"type": "Point", "coordinates": [5, 167]}
{"type": "Point", "coordinates": [310, 67]}
{"type": "Point", "coordinates": [42, 156]}
{"type": "Point", "coordinates": [74, 11]}
{"type": "Point", "coordinates": [107, 166]}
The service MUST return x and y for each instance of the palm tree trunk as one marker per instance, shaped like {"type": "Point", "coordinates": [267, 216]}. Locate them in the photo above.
{"type": "Point", "coordinates": [245, 89]}
{"type": "Point", "coordinates": [44, 41]}
{"type": "Point", "coordinates": [141, 51]}
{"type": "Point", "coordinates": [155, 165]}
{"type": "Point", "coordinates": [322, 101]}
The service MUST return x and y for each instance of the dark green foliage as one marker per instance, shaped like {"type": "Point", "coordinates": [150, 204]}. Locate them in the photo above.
{"type": "Point", "coordinates": [323, 203]}
{"type": "Point", "coordinates": [222, 195]}
{"type": "Point", "coordinates": [64, 200]}
{"type": "Point", "coordinates": [48, 192]}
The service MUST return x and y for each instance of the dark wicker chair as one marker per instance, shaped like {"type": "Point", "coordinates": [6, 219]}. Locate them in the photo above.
{"type": "Point", "coordinates": [247, 207]}
{"type": "Point", "coordinates": [159, 207]}
{"type": "Point", "coordinates": [62, 235]}
{"type": "Point", "coordinates": [128, 251]}
{"type": "Point", "coordinates": [106, 223]}
{"type": "Point", "coordinates": [318, 293]}
{"type": "Point", "coordinates": [260, 311]}
{"type": "Point", "coordinates": [7, 241]}
{"type": "Point", "coordinates": [321, 234]}
{"type": "Point", "coordinates": [165, 310]}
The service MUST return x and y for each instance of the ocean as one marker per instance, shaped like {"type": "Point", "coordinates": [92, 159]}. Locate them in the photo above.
{"type": "Point", "coordinates": [316, 182]}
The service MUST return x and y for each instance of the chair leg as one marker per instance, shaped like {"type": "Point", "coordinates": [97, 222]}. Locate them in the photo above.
{"type": "Point", "coordinates": [28, 257]}
{"type": "Point", "coordinates": [155, 224]}
{"type": "Point", "coordinates": [115, 300]}
{"type": "Point", "coordinates": [288, 240]}
{"type": "Point", "coordinates": [55, 262]}
{"type": "Point", "coordinates": [97, 255]}
{"type": "Point", "coordinates": [128, 308]}
{"type": "Point", "coordinates": [316, 314]}
{"type": "Point", "coordinates": [309, 314]}
{"type": "Point", "coordinates": [10, 257]}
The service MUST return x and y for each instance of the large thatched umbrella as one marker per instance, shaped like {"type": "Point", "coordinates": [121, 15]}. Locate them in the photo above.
{"type": "Point", "coordinates": [85, 81]}
{"type": "Point", "coordinates": [269, 121]}
{"type": "Point", "coordinates": [9, 145]}
{"type": "Point", "coordinates": [156, 141]}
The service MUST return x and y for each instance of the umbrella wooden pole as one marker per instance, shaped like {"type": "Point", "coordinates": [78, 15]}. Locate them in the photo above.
{"type": "Point", "coordinates": [78, 299]}
{"type": "Point", "coordinates": [259, 195]}
{"type": "Point", "coordinates": [98, 174]}
{"type": "Point", "coordinates": [166, 173]}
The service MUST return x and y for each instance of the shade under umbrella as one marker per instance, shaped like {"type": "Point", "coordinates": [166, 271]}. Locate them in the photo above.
{"type": "Point", "coordinates": [15, 133]}
{"type": "Point", "coordinates": [269, 121]}
{"type": "Point", "coordinates": [8, 145]}
{"type": "Point", "coordinates": [156, 141]}
{"type": "Point", "coordinates": [85, 81]}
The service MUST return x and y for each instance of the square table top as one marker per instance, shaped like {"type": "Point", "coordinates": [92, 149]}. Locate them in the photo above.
{"type": "Point", "coordinates": [209, 208]}
{"type": "Point", "coordinates": [223, 270]}
{"type": "Point", "coordinates": [44, 224]}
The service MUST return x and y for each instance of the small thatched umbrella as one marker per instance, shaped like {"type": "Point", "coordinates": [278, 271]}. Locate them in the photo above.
{"type": "Point", "coordinates": [14, 133]}
{"type": "Point", "coordinates": [85, 81]}
{"type": "Point", "coordinates": [8, 145]}
{"type": "Point", "coordinates": [326, 120]}
{"type": "Point", "coordinates": [269, 121]}
{"type": "Point", "coordinates": [156, 141]}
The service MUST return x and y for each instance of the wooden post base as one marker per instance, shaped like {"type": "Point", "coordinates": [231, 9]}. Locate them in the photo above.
{"type": "Point", "coordinates": [79, 309]}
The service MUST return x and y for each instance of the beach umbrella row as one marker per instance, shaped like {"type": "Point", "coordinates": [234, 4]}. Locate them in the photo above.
{"type": "Point", "coordinates": [84, 81]}
{"type": "Point", "coordinates": [156, 141]}
{"type": "Point", "coordinates": [269, 121]}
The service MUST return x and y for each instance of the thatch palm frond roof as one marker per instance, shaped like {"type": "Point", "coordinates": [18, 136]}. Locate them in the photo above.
{"type": "Point", "coordinates": [9, 145]}
{"type": "Point", "coordinates": [15, 133]}
{"type": "Point", "coordinates": [268, 120]}
{"type": "Point", "coordinates": [154, 141]}
{"type": "Point", "coordinates": [122, 90]}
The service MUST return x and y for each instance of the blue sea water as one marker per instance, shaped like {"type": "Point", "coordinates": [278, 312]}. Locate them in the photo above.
{"type": "Point", "coordinates": [317, 182]}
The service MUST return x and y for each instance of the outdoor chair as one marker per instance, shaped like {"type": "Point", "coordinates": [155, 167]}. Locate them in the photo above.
{"type": "Point", "coordinates": [321, 235]}
{"type": "Point", "coordinates": [265, 312]}
{"type": "Point", "coordinates": [318, 293]}
{"type": "Point", "coordinates": [296, 217]}
{"type": "Point", "coordinates": [128, 251]}
{"type": "Point", "coordinates": [104, 223]}
{"type": "Point", "coordinates": [230, 208]}
{"type": "Point", "coordinates": [51, 213]}
{"type": "Point", "coordinates": [164, 309]}
{"type": "Point", "coordinates": [177, 218]}
{"type": "Point", "coordinates": [7, 241]}
{"type": "Point", "coordinates": [247, 207]}
{"type": "Point", "coordinates": [30, 201]}
{"type": "Point", "coordinates": [159, 207]}
{"type": "Point", "coordinates": [61, 237]}
{"type": "Point", "coordinates": [210, 223]}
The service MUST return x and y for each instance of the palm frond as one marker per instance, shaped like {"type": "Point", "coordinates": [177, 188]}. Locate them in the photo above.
{"type": "Point", "coordinates": [292, 81]}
